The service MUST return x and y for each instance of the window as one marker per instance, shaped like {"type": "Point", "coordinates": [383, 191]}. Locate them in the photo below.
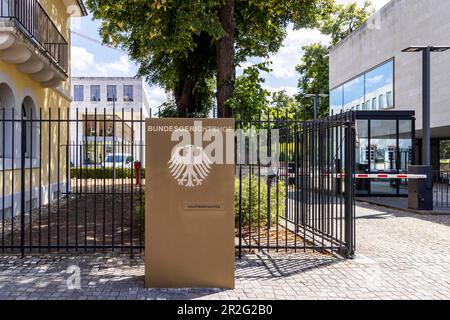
{"type": "Point", "coordinates": [78, 93]}
{"type": "Point", "coordinates": [5, 12]}
{"type": "Point", "coordinates": [389, 101]}
{"type": "Point", "coordinates": [336, 100]}
{"type": "Point", "coordinates": [354, 93]}
{"type": "Point", "coordinates": [31, 132]}
{"type": "Point", "coordinates": [128, 93]}
{"type": "Point", "coordinates": [365, 89]}
{"type": "Point", "coordinates": [111, 93]}
{"type": "Point", "coordinates": [95, 93]}
{"type": "Point", "coordinates": [381, 101]}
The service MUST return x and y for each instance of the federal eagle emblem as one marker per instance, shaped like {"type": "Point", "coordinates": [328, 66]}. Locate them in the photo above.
{"type": "Point", "coordinates": [190, 165]}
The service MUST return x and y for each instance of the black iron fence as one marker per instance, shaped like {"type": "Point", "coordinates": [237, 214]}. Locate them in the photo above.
{"type": "Point", "coordinates": [71, 181]}
{"type": "Point", "coordinates": [36, 24]}
{"type": "Point", "coordinates": [68, 181]}
{"type": "Point", "coordinates": [441, 189]}
{"type": "Point", "coordinates": [306, 201]}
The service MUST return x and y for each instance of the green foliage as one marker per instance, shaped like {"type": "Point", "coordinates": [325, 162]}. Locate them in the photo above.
{"type": "Point", "coordinates": [345, 19]}
{"type": "Point", "coordinates": [250, 98]}
{"type": "Point", "coordinates": [103, 173]}
{"type": "Point", "coordinates": [168, 109]}
{"type": "Point", "coordinates": [314, 66]}
{"type": "Point", "coordinates": [314, 73]}
{"type": "Point", "coordinates": [250, 202]}
{"type": "Point", "coordinates": [174, 41]}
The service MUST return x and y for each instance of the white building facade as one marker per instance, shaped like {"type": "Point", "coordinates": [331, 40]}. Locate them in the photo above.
{"type": "Point", "coordinates": [369, 71]}
{"type": "Point", "coordinates": [107, 117]}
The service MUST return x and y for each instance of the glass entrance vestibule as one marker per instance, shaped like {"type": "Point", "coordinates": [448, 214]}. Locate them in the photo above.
{"type": "Point", "coordinates": [384, 144]}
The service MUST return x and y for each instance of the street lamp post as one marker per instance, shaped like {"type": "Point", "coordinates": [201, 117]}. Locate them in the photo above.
{"type": "Point", "coordinates": [316, 97]}
{"type": "Point", "coordinates": [421, 191]}
{"type": "Point", "coordinates": [426, 96]}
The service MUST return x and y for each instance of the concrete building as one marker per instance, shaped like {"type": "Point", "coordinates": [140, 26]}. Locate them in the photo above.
{"type": "Point", "coordinates": [369, 71]}
{"type": "Point", "coordinates": [35, 61]}
{"type": "Point", "coordinates": [106, 114]}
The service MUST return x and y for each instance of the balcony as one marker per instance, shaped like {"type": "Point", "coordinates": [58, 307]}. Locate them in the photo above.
{"type": "Point", "coordinates": [30, 40]}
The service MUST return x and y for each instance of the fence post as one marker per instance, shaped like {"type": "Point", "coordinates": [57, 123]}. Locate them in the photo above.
{"type": "Point", "coordinates": [349, 187]}
{"type": "Point", "coordinates": [23, 138]}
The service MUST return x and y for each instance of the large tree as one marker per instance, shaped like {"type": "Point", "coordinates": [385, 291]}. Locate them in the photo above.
{"type": "Point", "coordinates": [314, 66]}
{"type": "Point", "coordinates": [181, 45]}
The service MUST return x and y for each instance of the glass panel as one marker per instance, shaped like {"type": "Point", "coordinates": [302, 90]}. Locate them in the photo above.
{"type": "Point", "coordinates": [389, 102]}
{"type": "Point", "coordinates": [445, 155]}
{"type": "Point", "coordinates": [354, 94]}
{"type": "Point", "coordinates": [111, 93]}
{"type": "Point", "coordinates": [381, 102]}
{"type": "Point", "coordinates": [383, 154]}
{"type": "Point", "coordinates": [406, 151]}
{"type": "Point", "coordinates": [336, 100]}
{"type": "Point", "coordinates": [379, 82]}
{"type": "Point", "coordinates": [78, 93]}
{"type": "Point", "coordinates": [95, 93]}
{"type": "Point", "coordinates": [362, 159]}
{"type": "Point", "coordinates": [373, 90]}
{"type": "Point", "coordinates": [128, 93]}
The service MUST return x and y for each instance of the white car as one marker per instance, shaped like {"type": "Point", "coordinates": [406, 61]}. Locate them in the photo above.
{"type": "Point", "coordinates": [119, 160]}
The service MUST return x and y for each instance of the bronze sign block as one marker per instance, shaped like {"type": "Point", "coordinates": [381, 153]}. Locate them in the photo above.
{"type": "Point", "coordinates": [189, 205]}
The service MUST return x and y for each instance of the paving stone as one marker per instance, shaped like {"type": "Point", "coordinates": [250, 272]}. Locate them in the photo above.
{"type": "Point", "coordinates": [399, 256]}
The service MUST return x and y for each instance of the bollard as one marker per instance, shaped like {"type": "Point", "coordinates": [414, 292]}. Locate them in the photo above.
{"type": "Point", "coordinates": [420, 191]}
{"type": "Point", "coordinates": [137, 169]}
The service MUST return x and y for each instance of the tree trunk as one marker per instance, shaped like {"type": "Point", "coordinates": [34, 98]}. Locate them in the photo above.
{"type": "Point", "coordinates": [183, 98]}
{"type": "Point", "coordinates": [226, 71]}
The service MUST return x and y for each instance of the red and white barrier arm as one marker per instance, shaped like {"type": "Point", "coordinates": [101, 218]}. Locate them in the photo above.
{"type": "Point", "coordinates": [367, 176]}
{"type": "Point", "coordinates": [385, 176]}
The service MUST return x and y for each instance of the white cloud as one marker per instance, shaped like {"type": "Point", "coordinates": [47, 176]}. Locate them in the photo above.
{"type": "Point", "coordinates": [378, 4]}
{"type": "Point", "coordinates": [82, 60]}
{"type": "Point", "coordinates": [284, 62]}
{"type": "Point", "coordinates": [84, 63]}
{"type": "Point", "coordinates": [121, 67]}
{"type": "Point", "coordinates": [292, 91]}
{"type": "Point", "coordinates": [375, 79]}
{"type": "Point", "coordinates": [156, 97]}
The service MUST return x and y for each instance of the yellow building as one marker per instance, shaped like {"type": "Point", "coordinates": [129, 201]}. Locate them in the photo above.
{"type": "Point", "coordinates": [34, 87]}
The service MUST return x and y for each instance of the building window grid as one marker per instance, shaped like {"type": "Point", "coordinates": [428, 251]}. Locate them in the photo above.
{"type": "Point", "coordinates": [95, 93]}
{"type": "Point", "coordinates": [78, 93]}
{"type": "Point", "coordinates": [128, 93]}
{"type": "Point", "coordinates": [111, 93]}
{"type": "Point", "coordinates": [381, 105]}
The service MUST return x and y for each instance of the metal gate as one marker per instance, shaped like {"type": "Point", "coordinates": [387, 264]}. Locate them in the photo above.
{"type": "Point", "coordinates": [70, 182]}
{"type": "Point", "coordinates": [306, 202]}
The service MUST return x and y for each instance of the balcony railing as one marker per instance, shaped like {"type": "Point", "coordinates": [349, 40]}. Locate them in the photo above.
{"type": "Point", "coordinates": [35, 23]}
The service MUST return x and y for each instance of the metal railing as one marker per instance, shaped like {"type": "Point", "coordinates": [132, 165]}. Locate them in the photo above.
{"type": "Point", "coordinates": [441, 189]}
{"type": "Point", "coordinates": [60, 190]}
{"type": "Point", "coordinates": [307, 203]}
{"type": "Point", "coordinates": [36, 24]}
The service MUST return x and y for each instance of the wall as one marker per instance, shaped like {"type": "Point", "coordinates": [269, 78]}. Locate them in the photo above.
{"type": "Point", "coordinates": [400, 24]}
{"type": "Point", "coordinates": [47, 102]}
{"type": "Point", "coordinates": [132, 111]}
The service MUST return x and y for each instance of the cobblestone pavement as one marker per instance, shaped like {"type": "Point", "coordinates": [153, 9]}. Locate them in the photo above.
{"type": "Point", "coordinates": [400, 256]}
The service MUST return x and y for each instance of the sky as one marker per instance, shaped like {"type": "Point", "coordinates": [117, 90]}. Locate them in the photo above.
{"type": "Point", "coordinates": [92, 59]}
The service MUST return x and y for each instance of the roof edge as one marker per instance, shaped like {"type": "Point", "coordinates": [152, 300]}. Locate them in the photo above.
{"type": "Point", "coordinates": [365, 24]}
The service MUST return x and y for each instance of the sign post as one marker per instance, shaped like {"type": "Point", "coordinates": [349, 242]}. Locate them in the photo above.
{"type": "Point", "coordinates": [189, 203]}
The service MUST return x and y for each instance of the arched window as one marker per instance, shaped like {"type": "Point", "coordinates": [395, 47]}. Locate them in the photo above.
{"type": "Point", "coordinates": [30, 127]}
{"type": "Point", "coordinates": [7, 104]}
